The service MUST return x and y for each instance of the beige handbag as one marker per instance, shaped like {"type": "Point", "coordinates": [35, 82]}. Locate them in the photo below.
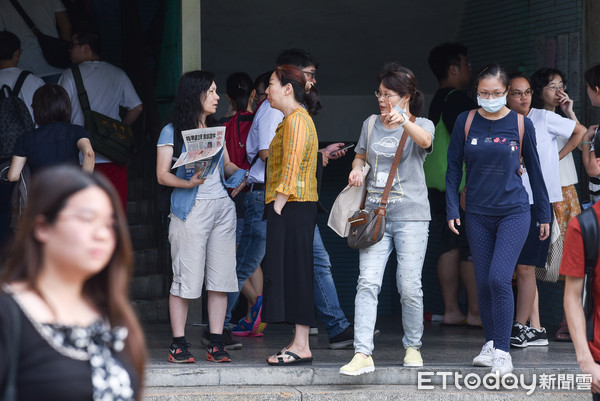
{"type": "Point", "coordinates": [348, 201]}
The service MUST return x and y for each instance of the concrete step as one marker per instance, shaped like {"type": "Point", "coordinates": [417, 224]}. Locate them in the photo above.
{"type": "Point", "coordinates": [146, 262]}
{"type": "Point", "coordinates": [349, 393]}
{"type": "Point", "coordinates": [142, 236]}
{"type": "Point", "coordinates": [147, 287]}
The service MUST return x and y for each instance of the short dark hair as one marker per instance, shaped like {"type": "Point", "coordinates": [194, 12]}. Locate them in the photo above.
{"type": "Point", "coordinates": [297, 57]}
{"type": "Point", "coordinates": [443, 56]}
{"type": "Point", "coordinates": [51, 104]}
{"type": "Point", "coordinates": [9, 44]}
{"type": "Point", "coordinates": [592, 76]}
{"type": "Point", "coordinates": [92, 39]}
{"type": "Point", "coordinates": [263, 79]}
{"type": "Point", "coordinates": [539, 80]}
{"type": "Point", "coordinates": [518, 74]}
{"type": "Point", "coordinates": [239, 87]}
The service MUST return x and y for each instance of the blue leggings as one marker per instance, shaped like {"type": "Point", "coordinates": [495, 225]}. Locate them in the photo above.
{"type": "Point", "coordinates": [496, 242]}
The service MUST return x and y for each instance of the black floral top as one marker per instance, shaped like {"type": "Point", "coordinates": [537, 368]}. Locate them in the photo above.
{"type": "Point", "coordinates": [58, 362]}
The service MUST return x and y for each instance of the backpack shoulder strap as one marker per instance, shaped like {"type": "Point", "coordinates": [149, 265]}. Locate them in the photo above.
{"type": "Point", "coordinates": [590, 233]}
{"type": "Point", "coordinates": [521, 126]}
{"type": "Point", "coordinates": [20, 80]}
{"type": "Point", "coordinates": [469, 121]}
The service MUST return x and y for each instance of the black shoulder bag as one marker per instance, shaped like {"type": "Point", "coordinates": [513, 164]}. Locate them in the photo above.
{"type": "Point", "coordinates": [10, 390]}
{"type": "Point", "coordinates": [588, 222]}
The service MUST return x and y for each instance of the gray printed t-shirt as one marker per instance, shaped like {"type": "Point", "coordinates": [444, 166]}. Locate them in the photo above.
{"type": "Point", "coordinates": [408, 196]}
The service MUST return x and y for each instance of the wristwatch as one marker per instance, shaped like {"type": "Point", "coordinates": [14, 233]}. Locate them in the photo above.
{"type": "Point", "coordinates": [405, 117]}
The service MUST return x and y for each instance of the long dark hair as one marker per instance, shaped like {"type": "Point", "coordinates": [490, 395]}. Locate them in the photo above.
{"type": "Point", "coordinates": [303, 93]}
{"type": "Point", "coordinates": [187, 105]}
{"type": "Point", "coordinates": [108, 290]}
{"type": "Point", "coordinates": [539, 80]}
{"type": "Point", "coordinates": [402, 80]}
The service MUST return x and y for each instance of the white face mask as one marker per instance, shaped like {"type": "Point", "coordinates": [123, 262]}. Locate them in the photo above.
{"type": "Point", "coordinates": [400, 109]}
{"type": "Point", "coordinates": [492, 105]}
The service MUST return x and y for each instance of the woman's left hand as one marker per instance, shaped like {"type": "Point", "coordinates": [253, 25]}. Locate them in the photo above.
{"type": "Point", "coordinates": [544, 231]}
{"type": "Point", "coordinates": [392, 117]}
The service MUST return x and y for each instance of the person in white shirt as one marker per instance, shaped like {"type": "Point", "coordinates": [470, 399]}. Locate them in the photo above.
{"type": "Point", "coordinates": [50, 17]}
{"type": "Point", "coordinates": [548, 127]}
{"type": "Point", "coordinates": [10, 53]}
{"type": "Point", "coordinates": [108, 88]}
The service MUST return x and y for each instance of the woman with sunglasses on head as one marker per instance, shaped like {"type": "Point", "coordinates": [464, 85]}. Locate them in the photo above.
{"type": "Point", "coordinates": [407, 212]}
{"type": "Point", "coordinates": [549, 129]}
{"type": "Point", "coordinates": [64, 295]}
{"type": "Point", "coordinates": [497, 205]}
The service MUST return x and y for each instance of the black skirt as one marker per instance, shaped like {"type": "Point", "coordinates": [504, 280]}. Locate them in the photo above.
{"type": "Point", "coordinates": [288, 266]}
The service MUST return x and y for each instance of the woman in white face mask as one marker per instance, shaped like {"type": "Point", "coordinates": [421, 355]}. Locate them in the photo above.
{"type": "Point", "coordinates": [489, 142]}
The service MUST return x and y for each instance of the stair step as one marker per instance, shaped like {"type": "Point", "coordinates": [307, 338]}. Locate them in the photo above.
{"type": "Point", "coordinates": [146, 262]}
{"type": "Point", "coordinates": [144, 287]}
{"type": "Point", "coordinates": [142, 236]}
{"type": "Point", "coordinates": [152, 310]}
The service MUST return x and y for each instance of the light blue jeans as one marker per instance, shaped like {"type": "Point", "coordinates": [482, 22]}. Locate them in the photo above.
{"type": "Point", "coordinates": [326, 298]}
{"type": "Point", "coordinates": [409, 238]}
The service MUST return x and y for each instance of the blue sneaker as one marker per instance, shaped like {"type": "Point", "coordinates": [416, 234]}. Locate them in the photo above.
{"type": "Point", "coordinates": [256, 315]}
{"type": "Point", "coordinates": [243, 328]}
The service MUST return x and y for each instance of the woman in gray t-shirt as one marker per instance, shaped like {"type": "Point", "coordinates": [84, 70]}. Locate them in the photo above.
{"type": "Point", "coordinates": [407, 213]}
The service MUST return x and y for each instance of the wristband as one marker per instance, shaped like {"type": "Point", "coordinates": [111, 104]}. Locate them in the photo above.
{"type": "Point", "coordinates": [586, 143]}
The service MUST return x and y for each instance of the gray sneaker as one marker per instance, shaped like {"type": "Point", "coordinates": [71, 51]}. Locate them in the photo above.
{"type": "Point", "coordinates": [536, 337]}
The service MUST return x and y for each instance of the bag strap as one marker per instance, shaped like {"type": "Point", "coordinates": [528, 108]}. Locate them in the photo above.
{"type": "Point", "coordinates": [468, 123]}
{"type": "Point", "coordinates": [19, 84]}
{"type": "Point", "coordinates": [10, 391]}
{"type": "Point", "coordinates": [84, 101]}
{"type": "Point", "coordinates": [394, 168]}
{"type": "Point", "coordinates": [588, 222]}
{"type": "Point", "coordinates": [370, 126]}
{"type": "Point", "coordinates": [25, 17]}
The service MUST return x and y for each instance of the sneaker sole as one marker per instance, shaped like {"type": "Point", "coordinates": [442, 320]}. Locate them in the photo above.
{"type": "Point", "coordinates": [189, 360]}
{"type": "Point", "coordinates": [241, 333]}
{"type": "Point", "coordinates": [539, 343]}
{"type": "Point", "coordinates": [482, 364]}
{"type": "Point", "coordinates": [210, 358]}
{"type": "Point", "coordinates": [259, 330]}
{"type": "Point", "coordinates": [234, 347]}
{"type": "Point", "coordinates": [359, 372]}
{"type": "Point", "coordinates": [413, 365]}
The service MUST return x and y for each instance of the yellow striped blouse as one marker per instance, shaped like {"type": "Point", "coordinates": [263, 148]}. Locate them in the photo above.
{"type": "Point", "coordinates": [292, 162]}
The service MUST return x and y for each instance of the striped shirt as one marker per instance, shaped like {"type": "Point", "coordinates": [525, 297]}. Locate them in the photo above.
{"type": "Point", "coordinates": [292, 163]}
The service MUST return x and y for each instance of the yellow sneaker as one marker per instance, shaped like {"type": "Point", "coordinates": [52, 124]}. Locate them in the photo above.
{"type": "Point", "coordinates": [357, 366]}
{"type": "Point", "coordinates": [413, 357]}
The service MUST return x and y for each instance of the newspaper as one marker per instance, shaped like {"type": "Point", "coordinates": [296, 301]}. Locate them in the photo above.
{"type": "Point", "coordinates": [204, 151]}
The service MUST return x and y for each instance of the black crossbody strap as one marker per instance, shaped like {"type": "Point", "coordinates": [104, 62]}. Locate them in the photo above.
{"type": "Point", "coordinates": [10, 391]}
{"type": "Point", "coordinates": [590, 233]}
{"type": "Point", "coordinates": [83, 97]}
{"type": "Point", "coordinates": [25, 17]}
{"type": "Point", "coordinates": [19, 84]}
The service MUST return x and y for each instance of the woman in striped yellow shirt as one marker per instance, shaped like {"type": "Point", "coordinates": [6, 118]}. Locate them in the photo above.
{"type": "Point", "coordinates": [291, 209]}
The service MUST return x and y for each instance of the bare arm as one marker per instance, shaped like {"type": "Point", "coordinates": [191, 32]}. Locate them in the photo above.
{"type": "Point", "coordinates": [64, 25]}
{"type": "Point", "coordinates": [229, 169]}
{"type": "Point", "coordinates": [355, 179]}
{"type": "Point", "coordinates": [573, 141]}
{"type": "Point", "coordinates": [133, 114]}
{"type": "Point", "coordinates": [419, 135]}
{"type": "Point", "coordinates": [85, 147]}
{"type": "Point", "coordinates": [16, 166]}
{"type": "Point", "coordinates": [263, 154]}
{"type": "Point", "coordinates": [588, 157]}
{"type": "Point", "coordinates": [164, 157]}
{"type": "Point", "coordinates": [577, 329]}
{"type": "Point", "coordinates": [280, 201]}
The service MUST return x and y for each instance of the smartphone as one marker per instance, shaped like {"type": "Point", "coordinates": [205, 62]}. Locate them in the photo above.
{"type": "Point", "coordinates": [348, 146]}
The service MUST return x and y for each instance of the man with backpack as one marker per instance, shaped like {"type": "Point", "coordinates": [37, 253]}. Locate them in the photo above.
{"type": "Point", "coordinates": [16, 115]}
{"type": "Point", "coordinates": [580, 265]}
{"type": "Point", "coordinates": [449, 64]}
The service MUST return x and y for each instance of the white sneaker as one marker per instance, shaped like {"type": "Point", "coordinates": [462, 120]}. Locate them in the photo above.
{"type": "Point", "coordinates": [502, 363]}
{"type": "Point", "coordinates": [486, 355]}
